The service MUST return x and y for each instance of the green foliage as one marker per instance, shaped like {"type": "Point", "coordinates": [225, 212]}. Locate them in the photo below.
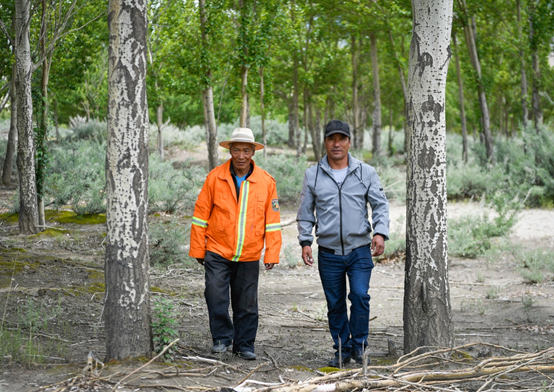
{"type": "Point", "coordinates": [164, 326]}
{"type": "Point", "coordinates": [288, 172]}
{"type": "Point", "coordinates": [170, 189]}
{"type": "Point", "coordinates": [76, 176]}
{"type": "Point", "coordinates": [167, 240]}
{"type": "Point", "coordinates": [537, 265]}
{"type": "Point", "coordinates": [92, 129]}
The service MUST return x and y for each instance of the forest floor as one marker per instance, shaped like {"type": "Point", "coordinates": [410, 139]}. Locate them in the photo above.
{"type": "Point", "coordinates": [51, 296]}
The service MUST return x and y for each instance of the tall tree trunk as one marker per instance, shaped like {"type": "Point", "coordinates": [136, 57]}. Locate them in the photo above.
{"type": "Point", "coordinates": [404, 92]}
{"type": "Point", "coordinates": [12, 135]}
{"type": "Point", "coordinates": [244, 97]}
{"type": "Point", "coordinates": [28, 213]}
{"type": "Point", "coordinates": [355, 54]}
{"type": "Point", "coordinates": [389, 144]}
{"type": "Point", "coordinates": [427, 318]}
{"type": "Point", "coordinates": [290, 107]}
{"type": "Point", "coordinates": [42, 130]}
{"type": "Point", "coordinates": [524, 103]}
{"type": "Point", "coordinates": [376, 96]}
{"type": "Point", "coordinates": [461, 98]}
{"type": "Point", "coordinates": [207, 94]}
{"type": "Point", "coordinates": [127, 300]}
{"type": "Point", "coordinates": [317, 134]}
{"type": "Point", "coordinates": [262, 110]}
{"type": "Point", "coordinates": [295, 115]}
{"type": "Point", "coordinates": [159, 125]}
{"type": "Point", "coordinates": [469, 30]}
{"type": "Point", "coordinates": [535, 98]}
{"type": "Point", "coordinates": [56, 123]}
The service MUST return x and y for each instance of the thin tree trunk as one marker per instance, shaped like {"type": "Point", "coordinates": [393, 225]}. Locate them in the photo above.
{"type": "Point", "coordinates": [290, 107]}
{"type": "Point", "coordinates": [12, 135]}
{"type": "Point", "coordinates": [56, 124]}
{"type": "Point", "coordinates": [461, 99]}
{"type": "Point", "coordinates": [404, 92]}
{"type": "Point", "coordinates": [28, 213]}
{"type": "Point", "coordinates": [355, 54]}
{"type": "Point", "coordinates": [127, 300]}
{"type": "Point", "coordinates": [524, 103]}
{"type": "Point", "coordinates": [306, 121]}
{"type": "Point", "coordinates": [376, 96]}
{"type": "Point", "coordinates": [208, 96]}
{"type": "Point", "coordinates": [295, 116]}
{"type": "Point", "coordinates": [244, 97]}
{"type": "Point", "coordinates": [535, 98]}
{"type": "Point", "coordinates": [317, 134]}
{"type": "Point", "coordinates": [390, 132]}
{"type": "Point", "coordinates": [42, 131]}
{"type": "Point", "coordinates": [470, 29]}
{"type": "Point", "coordinates": [427, 318]}
{"type": "Point", "coordinates": [262, 110]}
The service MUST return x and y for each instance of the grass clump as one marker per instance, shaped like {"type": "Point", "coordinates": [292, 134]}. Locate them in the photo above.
{"type": "Point", "coordinates": [537, 265]}
{"type": "Point", "coordinates": [167, 239]}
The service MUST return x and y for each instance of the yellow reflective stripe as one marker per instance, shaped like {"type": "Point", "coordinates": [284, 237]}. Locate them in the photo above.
{"type": "Point", "coordinates": [242, 220]}
{"type": "Point", "coordinates": [272, 227]}
{"type": "Point", "coordinates": [199, 222]}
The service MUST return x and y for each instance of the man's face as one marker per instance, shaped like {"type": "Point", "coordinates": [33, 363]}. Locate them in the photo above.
{"type": "Point", "coordinates": [241, 155]}
{"type": "Point", "coordinates": [337, 146]}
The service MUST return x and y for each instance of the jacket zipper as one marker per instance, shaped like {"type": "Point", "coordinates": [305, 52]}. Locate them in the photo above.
{"type": "Point", "coordinates": [340, 207]}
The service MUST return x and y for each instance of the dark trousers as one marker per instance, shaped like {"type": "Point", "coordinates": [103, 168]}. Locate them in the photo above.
{"type": "Point", "coordinates": [333, 270]}
{"type": "Point", "coordinates": [241, 280]}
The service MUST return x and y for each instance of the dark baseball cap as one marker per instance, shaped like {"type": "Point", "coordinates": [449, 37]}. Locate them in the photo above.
{"type": "Point", "coordinates": [337, 126]}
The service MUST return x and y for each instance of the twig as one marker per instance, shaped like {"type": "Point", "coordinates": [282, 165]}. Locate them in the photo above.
{"type": "Point", "coordinates": [250, 373]}
{"type": "Point", "coordinates": [146, 364]}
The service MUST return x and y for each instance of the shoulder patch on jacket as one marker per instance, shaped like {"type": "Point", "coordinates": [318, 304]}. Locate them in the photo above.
{"type": "Point", "coordinates": [275, 204]}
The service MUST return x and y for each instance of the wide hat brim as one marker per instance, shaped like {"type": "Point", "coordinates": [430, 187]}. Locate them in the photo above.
{"type": "Point", "coordinates": [227, 143]}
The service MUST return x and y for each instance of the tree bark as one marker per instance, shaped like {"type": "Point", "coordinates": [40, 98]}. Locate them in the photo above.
{"type": "Point", "coordinates": [42, 130]}
{"type": "Point", "coordinates": [524, 89]}
{"type": "Point", "coordinates": [262, 110]}
{"type": "Point", "coordinates": [295, 115]}
{"type": "Point", "coordinates": [469, 30]}
{"type": "Point", "coordinates": [427, 318]}
{"type": "Point", "coordinates": [207, 94]}
{"type": "Point", "coordinates": [404, 92]}
{"type": "Point", "coordinates": [159, 125]}
{"type": "Point", "coordinates": [12, 135]}
{"type": "Point", "coordinates": [244, 97]}
{"type": "Point", "coordinates": [376, 96]}
{"type": "Point", "coordinates": [355, 54]}
{"type": "Point", "coordinates": [127, 301]}
{"type": "Point", "coordinates": [28, 213]}
{"type": "Point", "coordinates": [535, 98]}
{"type": "Point", "coordinates": [461, 98]}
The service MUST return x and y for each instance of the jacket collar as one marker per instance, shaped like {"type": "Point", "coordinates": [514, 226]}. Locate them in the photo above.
{"type": "Point", "coordinates": [225, 173]}
{"type": "Point", "coordinates": [353, 163]}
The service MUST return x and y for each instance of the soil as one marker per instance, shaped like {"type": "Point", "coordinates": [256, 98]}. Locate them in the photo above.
{"type": "Point", "coordinates": [51, 293]}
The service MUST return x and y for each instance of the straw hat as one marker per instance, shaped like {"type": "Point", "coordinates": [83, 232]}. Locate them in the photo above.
{"type": "Point", "coordinates": [241, 135]}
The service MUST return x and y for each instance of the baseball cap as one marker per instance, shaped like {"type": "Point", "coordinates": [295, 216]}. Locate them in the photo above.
{"type": "Point", "coordinates": [337, 126]}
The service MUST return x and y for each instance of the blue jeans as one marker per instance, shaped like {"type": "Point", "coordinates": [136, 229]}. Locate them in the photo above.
{"type": "Point", "coordinates": [333, 270]}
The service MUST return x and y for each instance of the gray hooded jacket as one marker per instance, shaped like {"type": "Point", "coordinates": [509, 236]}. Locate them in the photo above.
{"type": "Point", "coordinates": [341, 214]}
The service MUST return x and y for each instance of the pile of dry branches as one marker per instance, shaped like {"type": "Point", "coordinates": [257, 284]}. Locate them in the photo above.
{"type": "Point", "coordinates": [447, 369]}
{"type": "Point", "coordinates": [459, 372]}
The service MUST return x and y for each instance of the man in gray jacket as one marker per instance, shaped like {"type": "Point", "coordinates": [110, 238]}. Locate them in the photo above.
{"type": "Point", "coordinates": [334, 199]}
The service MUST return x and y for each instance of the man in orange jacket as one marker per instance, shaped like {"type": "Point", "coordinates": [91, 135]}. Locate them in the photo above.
{"type": "Point", "coordinates": [236, 210]}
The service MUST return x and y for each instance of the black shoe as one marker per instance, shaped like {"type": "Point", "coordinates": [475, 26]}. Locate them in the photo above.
{"type": "Point", "coordinates": [334, 362]}
{"type": "Point", "coordinates": [248, 355]}
{"type": "Point", "coordinates": [220, 348]}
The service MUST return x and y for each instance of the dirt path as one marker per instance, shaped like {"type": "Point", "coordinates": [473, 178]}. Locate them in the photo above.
{"type": "Point", "coordinates": [61, 279]}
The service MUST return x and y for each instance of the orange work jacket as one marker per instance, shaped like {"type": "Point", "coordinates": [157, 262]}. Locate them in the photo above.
{"type": "Point", "coordinates": [232, 226]}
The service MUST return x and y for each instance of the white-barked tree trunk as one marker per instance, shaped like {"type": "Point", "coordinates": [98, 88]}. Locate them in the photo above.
{"type": "Point", "coordinates": [127, 314]}
{"type": "Point", "coordinates": [427, 319]}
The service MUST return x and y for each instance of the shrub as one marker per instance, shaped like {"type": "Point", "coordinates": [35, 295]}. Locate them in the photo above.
{"type": "Point", "coordinates": [537, 265]}
{"type": "Point", "coordinates": [288, 172]}
{"type": "Point", "coordinates": [92, 129]}
{"type": "Point", "coordinates": [466, 181]}
{"type": "Point", "coordinates": [164, 326]}
{"type": "Point", "coordinates": [169, 189]}
{"type": "Point", "coordinates": [75, 176]}
{"type": "Point", "coordinates": [168, 241]}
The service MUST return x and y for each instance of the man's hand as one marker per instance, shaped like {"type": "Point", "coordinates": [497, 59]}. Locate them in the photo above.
{"type": "Point", "coordinates": [378, 245]}
{"type": "Point", "coordinates": [200, 261]}
{"type": "Point", "coordinates": [307, 255]}
{"type": "Point", "coordinates": [269, 266]}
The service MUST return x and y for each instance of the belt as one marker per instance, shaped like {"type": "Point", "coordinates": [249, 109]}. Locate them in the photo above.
{"type": "Point", "coordinates": [332, 251]}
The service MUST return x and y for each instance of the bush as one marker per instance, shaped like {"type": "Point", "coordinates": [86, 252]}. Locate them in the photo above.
{"type": "Point", "coordinates": [288, 172]}
{"type": "Point", "coordinates": [466, 181]}
{"type": "Point", "coordinates": [169, 189]}
{"type": "Point", "coordinates": [537, 265]}
{"type": "Point", "coordinates": [164, 326]}
{"type": "Point", "coordinates": [93, 129]}
{"type": "Point", "coordinates": [75, 176]}
{"type": "Point", "coordinates": [168, 241]}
